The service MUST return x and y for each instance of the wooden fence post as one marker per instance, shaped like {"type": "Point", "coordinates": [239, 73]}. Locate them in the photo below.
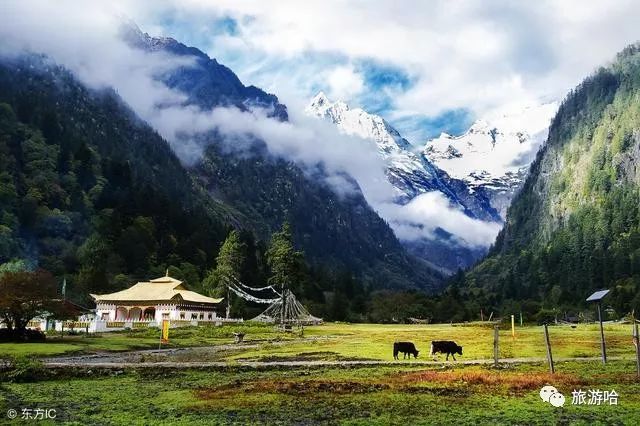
{"type": "Point", "coordinates": [636, 342]}
{"type": "Point", "coordinates": [549, 355]}
{"type": "Point", "coordinates": [496, 336]}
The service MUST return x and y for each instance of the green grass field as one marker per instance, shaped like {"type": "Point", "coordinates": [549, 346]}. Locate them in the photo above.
{"type": "Point", "coordinates": [367, 341]}
{"type": "Point", "coordinates": [350, 341]}
{"type": "Point", "coordinates": [380, 395]}
{"type": "Point", "coordinates": [401, 393]}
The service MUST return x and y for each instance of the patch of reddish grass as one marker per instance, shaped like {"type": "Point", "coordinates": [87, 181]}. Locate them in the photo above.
{"type": "Point", "coordinates": [450, 381]}
{"type": "Point", "coordinates": [617, 378]}
{"type": "Point", "coordinates": [511, 380]}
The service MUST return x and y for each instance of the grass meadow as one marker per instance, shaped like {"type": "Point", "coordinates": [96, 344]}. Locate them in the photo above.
{"type": "Point", "coordinates": [401, 392]}
{"type": "Point", "coordinates": [348, 341]}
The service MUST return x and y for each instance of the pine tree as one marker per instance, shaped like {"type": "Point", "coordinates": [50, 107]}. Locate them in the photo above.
{"type": "Point", "coordinates": [228, 265]}
{"type": "Point", "coordinates": [285, 262]}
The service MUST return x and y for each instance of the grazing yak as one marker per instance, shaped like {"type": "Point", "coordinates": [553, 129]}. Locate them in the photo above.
{"type": "Point", "coordinates": [407, 348]}
{"type": "Point", "coordinates": [445, 347]}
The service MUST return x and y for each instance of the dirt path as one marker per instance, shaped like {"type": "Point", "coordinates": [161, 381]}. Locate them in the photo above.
{"type": "Point", "coordinates": [139, 356]}
{"type": "Point", "coordinates": [137, 359]}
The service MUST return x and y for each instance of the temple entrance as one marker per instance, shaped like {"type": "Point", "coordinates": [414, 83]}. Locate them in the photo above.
{"type": "Point", "coordinates": [149, 314]}
{"type": "Point", "coordinates": [135, 314]}
{"type": "Point", "coordinates": [121, 313]}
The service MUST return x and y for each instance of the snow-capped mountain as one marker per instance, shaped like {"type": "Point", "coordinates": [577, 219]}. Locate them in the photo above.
{"type": "Point", "coordinates": [494, 155]}
{"type": "Point", "coordinates": [411, 174]}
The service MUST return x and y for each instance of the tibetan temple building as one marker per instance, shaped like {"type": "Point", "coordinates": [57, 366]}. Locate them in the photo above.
{"type": "Point", "coordinates": [155, 300]}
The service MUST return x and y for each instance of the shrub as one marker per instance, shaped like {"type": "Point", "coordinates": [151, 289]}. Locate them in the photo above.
{"type": "Point", "coordinates": [23, 369]}
{"type": "Point", "coordinates": [29, 335]}
{"type": "Point", "coordinates": [546, 316]}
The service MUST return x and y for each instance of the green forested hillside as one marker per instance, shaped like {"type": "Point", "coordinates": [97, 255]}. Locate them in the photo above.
{"type": "Point", "coordinates": [90, 192]}
{"type": "Point", "coordinates": [337, 230]}
{"type": "Point", "coordinates": [575, 226]}
{"type": "Point", "coordinates": [341, 232]}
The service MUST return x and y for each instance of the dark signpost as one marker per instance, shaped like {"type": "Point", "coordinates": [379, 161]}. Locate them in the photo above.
{"type": "Point", "coordinates": [496, 349]}
{"type": "Point", "coordinates": [548, 344]}
{"type": "Point", "coordinates": [597, 297]}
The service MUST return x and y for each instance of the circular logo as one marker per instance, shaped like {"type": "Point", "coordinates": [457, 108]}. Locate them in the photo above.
{"type": "Point", "coordinates": [546, 392]}
{"type": "Point", "coordinates": [12, 414]}
{"type": "Point", "coordinates": [557, 399]}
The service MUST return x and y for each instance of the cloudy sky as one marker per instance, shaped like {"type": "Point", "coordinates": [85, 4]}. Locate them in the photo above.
{"type": "Point", "coordinates": [426, 66]}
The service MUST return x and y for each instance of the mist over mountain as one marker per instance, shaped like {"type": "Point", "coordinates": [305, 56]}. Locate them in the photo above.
{"type": "Point", "coordinates": [437, 217]}
{"type": "Point", "coordinates": [360, 196]}
{"type": "Point", "coordinates": [231, 175]}
{"type": "Point", "coordinates": [259, 181]}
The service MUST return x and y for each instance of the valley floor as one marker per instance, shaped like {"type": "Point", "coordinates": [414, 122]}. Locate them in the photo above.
{"type": "Point", "coordinates": [270, 392]}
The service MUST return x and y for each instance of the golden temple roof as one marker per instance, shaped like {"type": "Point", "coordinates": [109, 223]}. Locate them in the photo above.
{"type": "Point", "coordinates": [160, 289]}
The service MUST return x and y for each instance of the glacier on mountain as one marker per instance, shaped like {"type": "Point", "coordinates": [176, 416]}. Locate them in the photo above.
{"type": "Point", "coordinates": [431, 208]}
{"type": "Point", "coordinates": [494, 155]}
{"type": "Point", "coordinates": [410, 172]}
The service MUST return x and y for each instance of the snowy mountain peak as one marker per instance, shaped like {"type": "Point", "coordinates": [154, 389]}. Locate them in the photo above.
{"type": "Point", "coordinates": [414, 176]}
{"type": "Point", "coordinates": [410, 172]}
{"type": "Point", "coordinates": [357, 122]}
{"type": "Point", "coordinates": [319, 101]}
{"type": "Point", "coordinates": [494, 153]}
{"type": "Point", "coordinates": [496, 146]}
{"type": "Point", "coordinates": [132, 34]}
{"type": "Point", "coordinates": [479, 126]}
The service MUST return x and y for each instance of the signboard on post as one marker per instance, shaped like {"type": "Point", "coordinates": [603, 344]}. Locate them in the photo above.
{"type": "Point", "coordinates": [597, 297]}
{"type": "Point", "coordinates": [164, 336]}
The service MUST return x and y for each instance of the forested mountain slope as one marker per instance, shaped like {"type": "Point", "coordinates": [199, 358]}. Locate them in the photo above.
{"type": "Point", "coordinates": [575, 226]}
{"type": "Point", "coordinates": [91, 192]}
{"type": "Point", "coordinates": [88, 189]}
{"type": "Point", "coordinates": [342, 232]}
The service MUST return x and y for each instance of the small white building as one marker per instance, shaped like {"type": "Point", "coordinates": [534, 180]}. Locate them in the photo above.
{"type": "Point", "coordinates": [155, 300]}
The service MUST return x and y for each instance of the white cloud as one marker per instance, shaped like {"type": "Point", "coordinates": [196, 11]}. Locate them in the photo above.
{"type": "Point", "coordinates": [471, 54]}
{"type": "Point", "coordinates": [344, 82]}
{"type": "Point", "coordinates": [476, 55]}
{"type": "Point", "coordinates": [427, 212]}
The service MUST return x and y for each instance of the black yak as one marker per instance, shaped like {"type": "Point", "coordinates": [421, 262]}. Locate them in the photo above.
{"type": "Point", "coordinates": [446, 347]}
{"type": "Point", "coordinates": [407, 348]}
